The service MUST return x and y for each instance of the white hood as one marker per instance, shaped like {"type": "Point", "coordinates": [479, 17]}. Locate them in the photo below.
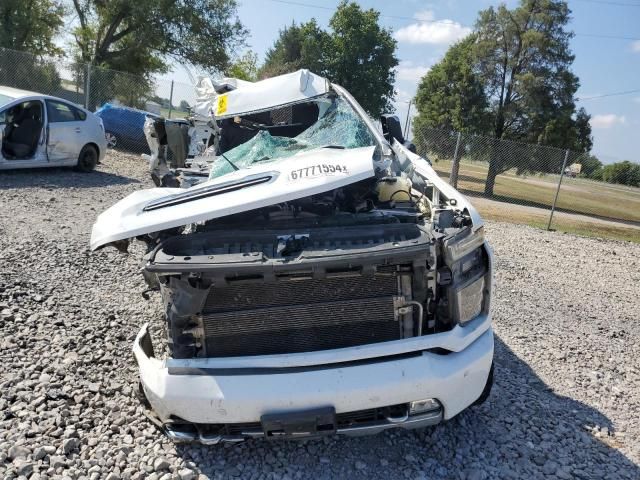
{"type": "Point", "coordinates": [307, 173]}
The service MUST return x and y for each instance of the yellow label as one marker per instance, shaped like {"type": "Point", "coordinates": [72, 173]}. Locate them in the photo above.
{"type": "Point", "coordinates": [222, 105]}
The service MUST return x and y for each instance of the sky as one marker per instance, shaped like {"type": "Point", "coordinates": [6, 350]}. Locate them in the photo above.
{"type": "Point", "coordinates": [604, 65]}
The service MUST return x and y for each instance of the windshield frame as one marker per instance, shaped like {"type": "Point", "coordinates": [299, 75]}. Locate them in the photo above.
{"type": "Point", "coordinates": [383, 145]}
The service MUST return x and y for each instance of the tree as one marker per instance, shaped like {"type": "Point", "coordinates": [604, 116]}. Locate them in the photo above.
{"type": "Point", "coordinates": [129, 90]}
{"type": "Point", "coordinates": [590, 165]}
{"type": "Point", "coordinates": [357, 53]}
{"type": "Point", "coordinates": [31, 25]}
{"type": "Point", "coordinates": [107, 85]}
{"type": "Point", "coordinates": [624, 173]}
{"type": "Point", "coordinates": [245, 68]}
{"type": "Point", "coordinates": [163, 102]}
{"type": "Point", "coordinates": [362, 57]}
{"type": "Point", "coordinates": [450, 97]}
{"type": "Point", "coordinates": [303, 46]}
{"type": "Point", "coordinates": [25, 71]}
{"type": "Point", "coordinates": [139, 37]}
{"type": "Point", "coordinates": [184, 106]}
{"type": "Point", "coordinates": [582, 126]}
{"type": "Point", "coordinates": [524, 60]}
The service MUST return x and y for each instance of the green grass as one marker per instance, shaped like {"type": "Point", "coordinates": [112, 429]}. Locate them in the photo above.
{"type": "Point", "coordinates": [561, 223]}
{"type": "Point", "coordinates": [174, 113]}
{"type": "Point", "coordinates": [576, 194]}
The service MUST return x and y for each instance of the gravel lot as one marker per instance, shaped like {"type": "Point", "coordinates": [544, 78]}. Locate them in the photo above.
{"type": "Point", "coordinates": [566, 403]}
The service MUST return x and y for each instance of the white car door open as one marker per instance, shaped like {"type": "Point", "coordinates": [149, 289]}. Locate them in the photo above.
{"type": "Point", "coordinates": [65, 131]}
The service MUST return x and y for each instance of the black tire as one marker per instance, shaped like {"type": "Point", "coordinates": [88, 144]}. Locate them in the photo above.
{"type": "Point", "coordinates": [88, 158]}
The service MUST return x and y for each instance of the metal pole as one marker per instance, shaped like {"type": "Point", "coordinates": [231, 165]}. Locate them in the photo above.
{"type": "Point", "coordinates": [455, 166]}
{"type": "Point", "coordinates": [553, 207]}
{"type": "Point", "coordinates": [87, 87]}
{"type": "Point", "coordinates": [406, 123]}
{"type": "Point", "coordinates": [171, 99]}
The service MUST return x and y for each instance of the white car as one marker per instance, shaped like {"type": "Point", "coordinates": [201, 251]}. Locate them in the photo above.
{"type": "Point", "coordinates": [43, 131]}
{"type": "Point", "coordinates": [323, 280]}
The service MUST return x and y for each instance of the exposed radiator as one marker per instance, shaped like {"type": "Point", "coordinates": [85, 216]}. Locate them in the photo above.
{"type": "Point", "coordinates": [300, 315]}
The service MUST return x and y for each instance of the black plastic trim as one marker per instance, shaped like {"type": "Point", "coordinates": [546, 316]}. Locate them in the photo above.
{"type": "Point", "coordinates": [205, 193]}
{"type": "Point", "coordinates": [285, 370]}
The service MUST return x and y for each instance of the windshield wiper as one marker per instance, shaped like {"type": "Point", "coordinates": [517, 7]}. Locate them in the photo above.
{"type": "Point", "coordinates": [233, 165]}
{"type": "Point", "coordinates": [337, 147]}
{"type": "Point", "coordinates": [263, 159]}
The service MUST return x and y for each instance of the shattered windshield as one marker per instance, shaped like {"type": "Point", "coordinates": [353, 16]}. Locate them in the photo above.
{"type": "Point", "coordinates": [339, 126]}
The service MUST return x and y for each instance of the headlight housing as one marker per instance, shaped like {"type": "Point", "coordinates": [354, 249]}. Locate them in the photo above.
{"type": "Point", "coordinates": [468, 301]}
{"type": "Point", "coordinates": [468, 290]}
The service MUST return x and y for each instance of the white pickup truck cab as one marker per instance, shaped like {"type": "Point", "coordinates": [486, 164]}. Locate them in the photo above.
{"type": "Point", "coordinates": [323, 280]}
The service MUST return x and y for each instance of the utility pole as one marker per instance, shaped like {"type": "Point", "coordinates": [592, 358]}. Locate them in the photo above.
{"type": "Point", "coordinates": [171, 99]}
{"type": "Point", "coordinates": [87, 87]}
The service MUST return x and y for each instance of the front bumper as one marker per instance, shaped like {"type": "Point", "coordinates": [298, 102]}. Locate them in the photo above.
{"type": "Point", "coordinates": [215, 396]}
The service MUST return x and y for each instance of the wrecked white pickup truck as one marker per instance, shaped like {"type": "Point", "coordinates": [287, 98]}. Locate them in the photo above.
{"type": "Point", "coordinates": [323, 280]}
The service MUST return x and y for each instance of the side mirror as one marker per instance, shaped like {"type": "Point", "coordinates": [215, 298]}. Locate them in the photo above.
{"type": "Point", "coordinates": [391, 128]}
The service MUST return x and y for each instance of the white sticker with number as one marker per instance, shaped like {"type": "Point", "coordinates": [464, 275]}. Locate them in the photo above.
{"type": "Point", "coordinates": [318, 170]}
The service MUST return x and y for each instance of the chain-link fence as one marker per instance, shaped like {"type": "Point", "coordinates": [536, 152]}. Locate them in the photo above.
{"type": "Point", "coordinates": [506, 180]}
{"type": "Point", "coordinates": [532, 184]}
{"type": "Point", "coordinates": [93, 87]}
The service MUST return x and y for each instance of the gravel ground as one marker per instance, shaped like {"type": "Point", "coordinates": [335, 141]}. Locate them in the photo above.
{"type": "Point", "coordinates": [566, 402]}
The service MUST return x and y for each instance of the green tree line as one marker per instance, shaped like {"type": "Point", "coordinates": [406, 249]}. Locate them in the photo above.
{"type": "Point", "coordinates": [127, 43]}
{"type": "Point", "coordinates": [510, 79]}
{"type": "Point", "coordinates": [623, 173]}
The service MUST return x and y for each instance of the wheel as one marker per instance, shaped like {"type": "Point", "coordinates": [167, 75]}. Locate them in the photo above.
{"type": "Point", "coordinates": [88, 158]}
{"type": "Point", "coordinates": [112, 139]}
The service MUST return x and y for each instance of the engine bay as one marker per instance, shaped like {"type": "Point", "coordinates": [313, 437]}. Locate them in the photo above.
{"type": "Point", "coordinates": [350, 266]}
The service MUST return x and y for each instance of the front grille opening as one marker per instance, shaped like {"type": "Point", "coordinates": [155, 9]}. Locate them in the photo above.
{"type": "Point", "coordinates": [372, 415]}
{"type": "Point", "coordinates": [305, 315]}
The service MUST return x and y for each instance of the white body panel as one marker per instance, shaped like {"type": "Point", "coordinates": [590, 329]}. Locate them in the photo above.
{"type": "Point", "coordinates": [59, 143]}
{"type": "Point", "coordinates": [127, 219]}
{"type": "Point", "coordinates": [251, 97]}
{"type": "Point", "coordinates": [456, 380]}
{"type": "Point", "coordinates": [66, 139]}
